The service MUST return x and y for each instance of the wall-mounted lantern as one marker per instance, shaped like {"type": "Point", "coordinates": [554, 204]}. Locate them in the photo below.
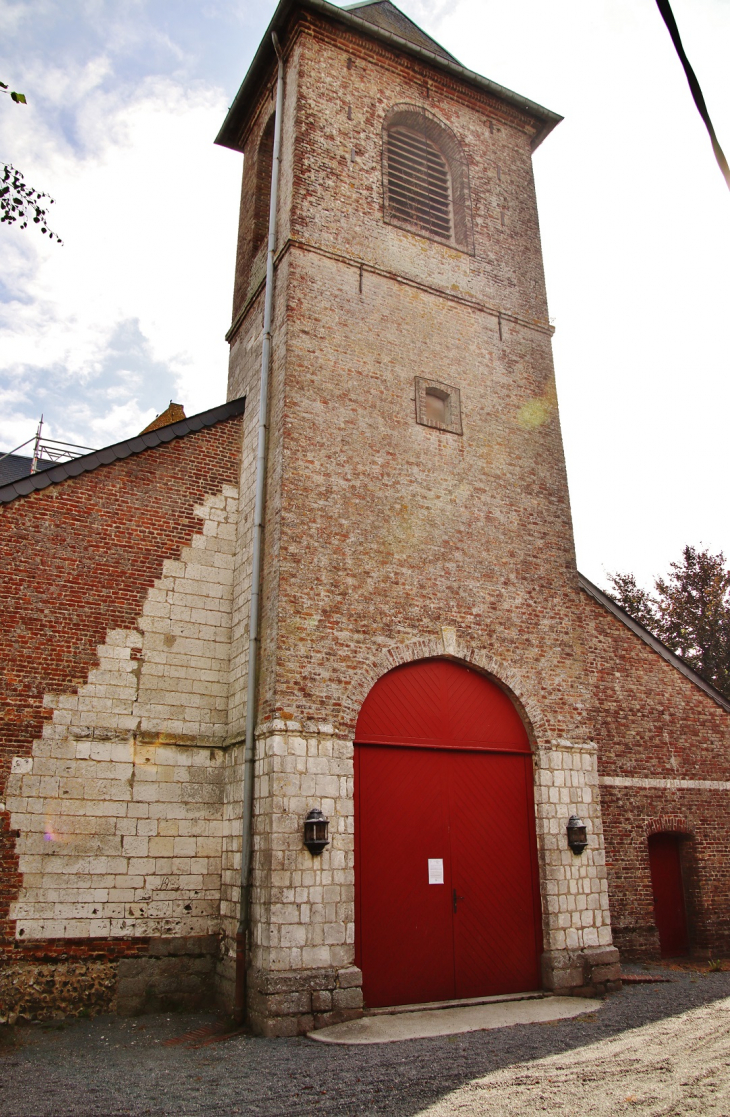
{"type": "Point", "coordinates": [315, 832]}
{"type": "Point", "coordinates": [577, 835]}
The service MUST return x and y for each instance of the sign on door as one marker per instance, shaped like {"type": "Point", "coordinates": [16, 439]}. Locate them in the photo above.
{"type": "Point", "coordinates": [435, 870]}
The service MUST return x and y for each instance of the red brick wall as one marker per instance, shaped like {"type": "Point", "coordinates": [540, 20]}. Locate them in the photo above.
{"type": "Point", "coordinates": [77, 559]}
{"type": "Point", "coordinates": [379, 531]}
{"type": "Point", "coordinates": [653, 723]}
{"type": "Point", "coordinates": [347, 84]}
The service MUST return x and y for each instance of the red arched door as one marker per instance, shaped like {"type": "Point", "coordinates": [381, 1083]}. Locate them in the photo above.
{"type": "Point", "coordinates": [666, 884]}
{"type": "Point", "coordinates": [448, 902]}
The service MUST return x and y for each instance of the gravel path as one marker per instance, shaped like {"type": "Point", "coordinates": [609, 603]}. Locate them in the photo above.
{"type": "Point", "coordinates": [678, 1063]}
{"type": "Point", "coordinates": [678, 1066]}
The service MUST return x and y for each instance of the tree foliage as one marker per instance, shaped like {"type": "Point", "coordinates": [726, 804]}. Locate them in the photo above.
{"type": "Point", "coordinates": [21, 202]}
{"type": "Point", "coordinates": [19, 98]}
{"type": "Point", "coordinates": [689, 611]}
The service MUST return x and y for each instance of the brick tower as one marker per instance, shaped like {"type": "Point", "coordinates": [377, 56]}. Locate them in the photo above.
{"type": "Point", "coordinates": [416, 505]}
{"type": "Point", "coordinates": [359, 602]}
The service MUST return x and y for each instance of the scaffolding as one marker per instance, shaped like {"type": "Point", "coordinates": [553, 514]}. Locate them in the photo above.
{"type": "Point", "coordinates": [49, 449]}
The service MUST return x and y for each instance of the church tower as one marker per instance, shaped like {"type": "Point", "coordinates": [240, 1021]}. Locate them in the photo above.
{"type": "Point", "coordinates": [419, 672]}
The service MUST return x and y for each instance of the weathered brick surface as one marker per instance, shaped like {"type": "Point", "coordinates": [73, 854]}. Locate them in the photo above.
{"type": "Point", "coordinates": [382, 535]}
{"type": "Point", "coordinates": [91, 548]}
{"type": "Point", "coordinates": [663, 764]}
{"type": "Point", "coordinates": [386, 541]}
{"type": "Point", "coordinates": [116, 590]}
{"type": "Point", "coordinates": [349, 464]}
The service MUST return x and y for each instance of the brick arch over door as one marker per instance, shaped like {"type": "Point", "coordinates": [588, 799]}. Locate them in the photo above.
{"type": "Point", "coordinates": [669, 824]}
{"type": "Point", "coordinates": [447, 885]}
{"type": "Point", "coordinates": [502, 674]}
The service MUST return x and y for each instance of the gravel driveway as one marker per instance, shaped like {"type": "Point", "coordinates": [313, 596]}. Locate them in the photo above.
{"type": "Point", "coordinates": [601, 1064]}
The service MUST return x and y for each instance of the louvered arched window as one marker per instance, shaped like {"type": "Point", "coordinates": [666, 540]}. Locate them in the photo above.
{"type": "Point", "coordinates": [419, 184]}
{"type": "Point", "coordinates": [425, 177]}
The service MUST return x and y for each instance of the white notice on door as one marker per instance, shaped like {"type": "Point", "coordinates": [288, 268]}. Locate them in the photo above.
{"type": "Point", "coordinates": [435, 870]}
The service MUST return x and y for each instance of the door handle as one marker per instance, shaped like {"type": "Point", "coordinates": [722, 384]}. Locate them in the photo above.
{"type": "Point", "coordinates": [456, 899]}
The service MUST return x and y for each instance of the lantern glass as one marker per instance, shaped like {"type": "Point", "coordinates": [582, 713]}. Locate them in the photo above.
{"type": "Point", "coordinates": [315, 832]}
{"type": "Point", "coordinates": [577, 834]}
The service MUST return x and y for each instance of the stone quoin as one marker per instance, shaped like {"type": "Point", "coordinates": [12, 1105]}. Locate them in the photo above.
{"type": "Point", "coordinates": [418, 561]}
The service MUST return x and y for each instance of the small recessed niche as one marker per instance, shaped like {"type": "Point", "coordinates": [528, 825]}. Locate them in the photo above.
{"type": "Point", "coordinates": [438, 405]}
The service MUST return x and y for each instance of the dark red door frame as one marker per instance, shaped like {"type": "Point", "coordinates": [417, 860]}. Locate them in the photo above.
{"type": "Point", "coordinates": [442, 706]}
{"type": "Point", "coordinates": [670, 913]}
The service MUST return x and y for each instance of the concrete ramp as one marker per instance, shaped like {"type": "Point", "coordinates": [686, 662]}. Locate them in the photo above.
{"type": "Point", "coordinates": [391, 1027]}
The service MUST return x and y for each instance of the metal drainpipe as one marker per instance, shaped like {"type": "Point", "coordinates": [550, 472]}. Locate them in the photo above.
{"type": "Point", "coordinates": [258, 531]}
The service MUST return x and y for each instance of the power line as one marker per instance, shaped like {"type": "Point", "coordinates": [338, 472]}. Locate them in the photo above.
{"type": "Point", "coordinates": [668, 17]}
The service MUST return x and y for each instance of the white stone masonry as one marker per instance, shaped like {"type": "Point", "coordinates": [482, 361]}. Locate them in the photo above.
{"type": "Point", "coordinates": [120, 808]}
{"type": "Point", "coordinates": [574, 887]}
{"type": "Point", "coordinates": [303, 907]}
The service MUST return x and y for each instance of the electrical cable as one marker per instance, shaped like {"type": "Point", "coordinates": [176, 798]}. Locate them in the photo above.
{"type": "Point", "coordinates": [668, 17]}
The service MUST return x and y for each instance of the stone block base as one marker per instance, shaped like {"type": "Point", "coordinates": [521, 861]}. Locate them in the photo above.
{"type": "Point", "coordinates": [591, 972]}
{"type": "Point", "coordinates": [84, 979]}
{"type": "Point", "coordinates": [295, 1002]}
{"type": "Point", "coordinates": [176, 975]}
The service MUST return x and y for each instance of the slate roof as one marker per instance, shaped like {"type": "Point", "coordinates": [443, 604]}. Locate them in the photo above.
{"type": "Point", "coordinates": [378, 19]}
{"type": "Point", "coordinates": [656, 645]}
{"type": "Point", "coordinates": [53, 473]}
{"type": "Point", "coordinates": [15, 466]}
{"type": "Point", "coordinates": [385, 15]}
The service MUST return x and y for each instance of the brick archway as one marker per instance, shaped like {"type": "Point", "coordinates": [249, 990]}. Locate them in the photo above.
{"type": "Point", "coordinates": [452, 907]}
{"type": "Point", "coordinates": [669, 824]}
{"type": "Point", "coordinates": [450, 646]}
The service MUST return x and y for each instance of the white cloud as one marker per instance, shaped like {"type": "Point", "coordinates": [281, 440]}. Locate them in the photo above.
{"type": "Point", "coordinates": [147, 208]}
{"type": "Point", "coordinates": [635, 221]}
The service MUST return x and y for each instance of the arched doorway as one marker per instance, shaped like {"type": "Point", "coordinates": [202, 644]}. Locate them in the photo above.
{"type": "Point", "coordinates": [447, 888]}
{"type": "Point", "coordinates": [670, 914]}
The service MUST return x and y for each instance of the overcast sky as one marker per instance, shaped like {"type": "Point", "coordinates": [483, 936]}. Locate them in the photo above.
{"type": "Point", "coordinates": [125, 98]}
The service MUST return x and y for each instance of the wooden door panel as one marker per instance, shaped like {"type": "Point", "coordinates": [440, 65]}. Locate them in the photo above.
{"type": "Point", "coordinates": [444, 771]}
{"type": "Point", "coordinates": [668, 889]}
{"type": "Point", "coordinates": [405, 705]}
{"type": "Point", "coordinates": [497, 925]}
{"type": "Point", "coordinates": [406, 935]}
{"type": "Point", "coordinates": [479, 713]}
{"type": "Point", "coordinates": [442, 704]}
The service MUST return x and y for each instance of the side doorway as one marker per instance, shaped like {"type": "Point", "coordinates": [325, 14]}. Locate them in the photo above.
{"type": "Point", "coordinates": [448, 903]}
{"type": "Point", "coordinates": [670, 911]}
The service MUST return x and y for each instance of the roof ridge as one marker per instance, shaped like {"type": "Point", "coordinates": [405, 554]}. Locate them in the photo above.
{"type": "Point", "coordinates": [119, 450]}
{"type": "Point", "coordinates": [264, 58]}
{"type": "Point", "coordinates": [656, 645]}
{"type": "Point", "coordinates": [398, 23]}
